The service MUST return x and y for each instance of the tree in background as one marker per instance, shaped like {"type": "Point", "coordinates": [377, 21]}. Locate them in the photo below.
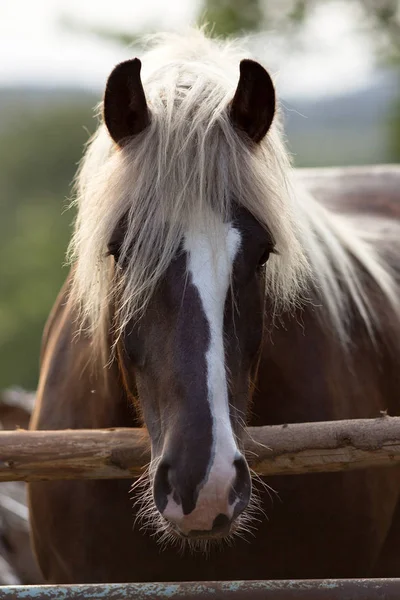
{"type": "Point", "coordinates": [380, 19]}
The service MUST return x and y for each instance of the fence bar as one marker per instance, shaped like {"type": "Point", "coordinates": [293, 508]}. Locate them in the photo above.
{"type": "Point", "coordinates": [327, 589]}
{"type": "Point", "coordinates": [271, 450]}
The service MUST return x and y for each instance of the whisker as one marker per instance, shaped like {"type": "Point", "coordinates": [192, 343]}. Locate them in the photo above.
{"type": "Point", "coordinates": [151, 522]}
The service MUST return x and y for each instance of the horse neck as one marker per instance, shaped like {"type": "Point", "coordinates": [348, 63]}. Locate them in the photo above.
{"type": "Point", "coordinates": [89, 393]}
{"type": "Point", "coordinates": [307, 374]}
{"type": "Point", "coordinates": [119, 396]}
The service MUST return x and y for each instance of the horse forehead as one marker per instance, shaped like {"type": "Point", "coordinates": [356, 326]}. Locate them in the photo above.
{"type": "Point", "coordinates": [211, 255]}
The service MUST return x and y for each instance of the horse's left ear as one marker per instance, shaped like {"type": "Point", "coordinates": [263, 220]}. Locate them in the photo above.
{"type": "Point", "coordinates": [253, 106]}
{"type": "Point", "coordinates": [125, 107]}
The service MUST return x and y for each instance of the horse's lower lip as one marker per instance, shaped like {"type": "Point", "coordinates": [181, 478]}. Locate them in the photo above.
{"type": "Point", "coordinates": [201, 535]}
{"type": "Point", "coordinates": [208, 535]}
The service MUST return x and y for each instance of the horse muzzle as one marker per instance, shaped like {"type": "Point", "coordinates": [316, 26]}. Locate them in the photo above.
{"type": "Point", "coordinates": [202, 510]}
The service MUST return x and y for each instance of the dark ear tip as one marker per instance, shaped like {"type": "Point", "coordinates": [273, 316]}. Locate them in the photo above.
{"type": "Point", "coordinates": [127, 67]}
{"type": "Point", "coordinates": [252, 68]}
{"type": "Point", "coordinates": [247, 63]}
{"type": "Point", "coordinates": [136, 64]}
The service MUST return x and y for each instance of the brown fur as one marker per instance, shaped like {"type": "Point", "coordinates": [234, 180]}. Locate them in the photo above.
{"type": "Point", "coordinates": [320, 525]}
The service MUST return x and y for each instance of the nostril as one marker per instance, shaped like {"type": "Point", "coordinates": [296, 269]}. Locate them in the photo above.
{"type": "Point", "coordinates": [221, 523]}
{"type": "Point", "coordinates": [241, 488]}
{"type": "Point", "coordinates": [162, 487]}
{"type": "Point", "coordinates": [241, 467]}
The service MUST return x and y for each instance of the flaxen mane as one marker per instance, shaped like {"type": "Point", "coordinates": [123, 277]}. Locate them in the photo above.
{"type": "Point", "coordinates": [184, 172]}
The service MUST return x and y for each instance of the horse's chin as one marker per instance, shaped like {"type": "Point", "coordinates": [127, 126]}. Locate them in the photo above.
{"type": "Point", "coordinates": [201, 536]}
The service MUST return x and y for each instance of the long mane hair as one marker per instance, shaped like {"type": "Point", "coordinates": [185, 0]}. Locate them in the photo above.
{"type": "Point", "coordinates": [185, 171]}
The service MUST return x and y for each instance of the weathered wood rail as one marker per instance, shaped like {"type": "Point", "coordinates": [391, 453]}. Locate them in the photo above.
{"type": "Point", "coordinates": [272, 450]}
{"type": "Point", "coordinates": [327, 589]}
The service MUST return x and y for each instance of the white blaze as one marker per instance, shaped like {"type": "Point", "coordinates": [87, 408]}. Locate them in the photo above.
{"type": "Point", "coordinates": [210, 266]}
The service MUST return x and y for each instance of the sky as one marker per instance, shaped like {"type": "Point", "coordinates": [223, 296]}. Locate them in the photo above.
{"type": "Point", "coordinates": [37, 48]}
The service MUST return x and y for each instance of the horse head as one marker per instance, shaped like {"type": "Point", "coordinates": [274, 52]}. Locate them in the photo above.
{"type": "Point", "coordinates": [184, 190]}
{"type": "Point", "coordinates": [193, 351]}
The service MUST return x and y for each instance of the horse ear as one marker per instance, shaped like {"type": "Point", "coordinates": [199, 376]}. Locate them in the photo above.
{"type": "Point", "coordinates": [125, 107]}
{"type": "Point", "coordinates": [253, 106]}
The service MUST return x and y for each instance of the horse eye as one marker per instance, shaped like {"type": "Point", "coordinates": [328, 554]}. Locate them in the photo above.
{"type": "Point", "coordinates": [265, 256]}
{"type": "Point", "coordinates": [113, 249]}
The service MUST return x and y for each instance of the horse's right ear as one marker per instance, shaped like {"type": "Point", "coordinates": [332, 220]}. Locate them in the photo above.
{"type": "Point", "coordinates": [125, 107]}
{"type": "Point", "coordinates": [253, 106]}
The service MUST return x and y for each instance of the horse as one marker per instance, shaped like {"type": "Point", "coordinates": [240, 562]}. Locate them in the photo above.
{"type": "Point", "coordinates": [212, 286]}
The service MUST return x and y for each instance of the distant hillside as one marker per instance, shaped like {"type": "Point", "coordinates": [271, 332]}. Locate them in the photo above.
{"type": "Point", "coordinates": [331, 131]}
{"type": "Point", "coordinates": [19, 102]}
{"type": "Point", "coordinates": [341, 130]}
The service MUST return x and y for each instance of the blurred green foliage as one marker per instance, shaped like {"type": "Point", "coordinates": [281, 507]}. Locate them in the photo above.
{"type": "Point", "coordinates": [230, 17]}
{"type": "Point", "coordinates": [38, 157]}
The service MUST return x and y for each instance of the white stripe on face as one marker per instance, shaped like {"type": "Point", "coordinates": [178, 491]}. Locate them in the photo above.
{"type": "Point", "coordinates": [210, 266]}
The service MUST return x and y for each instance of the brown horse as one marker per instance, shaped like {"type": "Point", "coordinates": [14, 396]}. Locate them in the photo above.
{"type": "Point", "coordinates": [209, 290]}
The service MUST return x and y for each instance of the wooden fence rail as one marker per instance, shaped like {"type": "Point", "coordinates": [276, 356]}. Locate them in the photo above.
{"type": "Point", "coordinates": [273, 450]}
{"type": "Point", "coordinates": [328, 589]}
